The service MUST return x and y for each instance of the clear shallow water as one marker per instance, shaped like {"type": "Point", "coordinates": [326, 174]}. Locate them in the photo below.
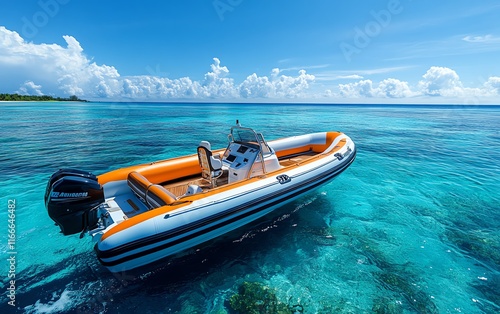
{"type": "Point", "coordinates": [413, 226]}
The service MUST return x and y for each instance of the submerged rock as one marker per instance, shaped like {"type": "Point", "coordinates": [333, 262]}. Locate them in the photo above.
{"type": "Point", "coordinates": [417, 299]}
{"type": "Point", "coordinates": [255, 298]}
{"type": "Point", "coordinates": [386, 306]}
{"type": "Point", "coordinates": [481, 244]}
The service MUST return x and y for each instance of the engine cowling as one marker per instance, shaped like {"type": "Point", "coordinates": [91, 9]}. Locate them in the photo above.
{"type": "Point", "coordinates": [72, 198]}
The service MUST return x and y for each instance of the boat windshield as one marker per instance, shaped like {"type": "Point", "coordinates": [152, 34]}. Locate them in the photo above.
{"type": "Point", "coordinates": [244, 135]}
{"type": "Point", "coordinates": [249, 136]}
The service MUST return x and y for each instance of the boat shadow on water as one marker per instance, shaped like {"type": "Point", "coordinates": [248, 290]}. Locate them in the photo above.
{"type": "Point", "coordinates": [79, 284]}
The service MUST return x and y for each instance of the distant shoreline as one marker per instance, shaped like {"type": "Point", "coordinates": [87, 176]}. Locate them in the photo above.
{"type": "Point", "coordinates": [4, 97]}
{"type": "Point", "coordinates": [14, 101]}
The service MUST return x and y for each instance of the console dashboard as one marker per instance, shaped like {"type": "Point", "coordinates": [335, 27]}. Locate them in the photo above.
{"type": "Point", "coordinates": [239, 159]}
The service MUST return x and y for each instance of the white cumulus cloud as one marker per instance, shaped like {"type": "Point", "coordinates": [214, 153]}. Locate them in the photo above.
{"type": "Point", "coordinates": [57, 69]}
{"type": "Point", "coordinates": [275, 86]}
{"type": "Point", "coordinates": [388, 88]}
{"type": "Point", "coordinates": [441, 81]}
{"type": "Point", "coordinates": [436, 82]}
{"type": "Point", "coordinates": [217, 84]}
{"type": "Point", "coordinates": [492, 86]}
{"type": "Point", "coordinates": [359, 89]}
{"type": "Point", "coordinates": [254, 87]}
{"type": "Point", "coordinates": [30, 88]}
{"type": "Point", "coordinates": [394, 88]}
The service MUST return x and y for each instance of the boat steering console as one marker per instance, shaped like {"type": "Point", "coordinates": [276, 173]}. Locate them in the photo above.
{"type": "Point", "coordinates": [248, 155]}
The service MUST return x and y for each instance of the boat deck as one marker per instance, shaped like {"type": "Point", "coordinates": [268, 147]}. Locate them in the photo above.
{"type": "Point", "coordinates": [127, 204]}
{"type": "Point", "coordinates": [179, 187]}
{"type": "Point", "coordinates": [295, 159]}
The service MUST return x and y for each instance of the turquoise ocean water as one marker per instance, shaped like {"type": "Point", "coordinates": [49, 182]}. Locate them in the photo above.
{"type": "Point", "coordinates": [413, 226]}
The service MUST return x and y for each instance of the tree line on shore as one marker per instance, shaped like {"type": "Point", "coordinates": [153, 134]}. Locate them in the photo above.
{"type": "Point", "coordinates": [17, 97]}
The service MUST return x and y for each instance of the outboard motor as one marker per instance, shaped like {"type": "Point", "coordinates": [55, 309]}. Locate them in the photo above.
{"type": "Point", "coordinates": [72, 197]}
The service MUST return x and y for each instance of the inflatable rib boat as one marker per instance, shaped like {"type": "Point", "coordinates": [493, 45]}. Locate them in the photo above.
{"type": "Point", "coordinates": [140, 214]}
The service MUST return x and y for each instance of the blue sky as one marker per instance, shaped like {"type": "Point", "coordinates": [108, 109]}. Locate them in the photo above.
{"type": "Point", "coordinates": [241, 50]}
